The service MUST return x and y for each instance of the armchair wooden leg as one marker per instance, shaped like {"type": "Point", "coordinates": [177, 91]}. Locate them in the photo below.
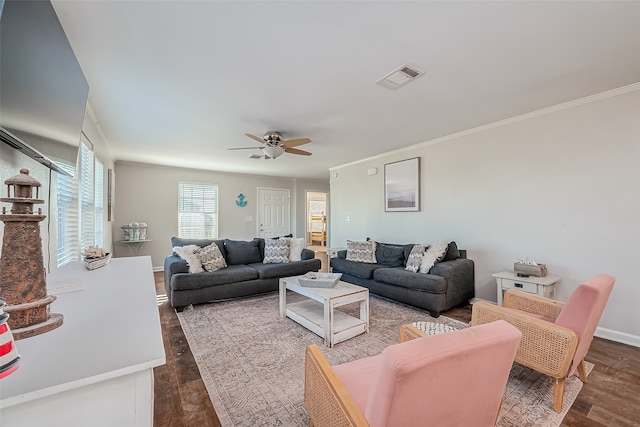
{"type": "Point", "coordinates": [558, 394]}
{"type": "Point", "coordinates": [582, 371]}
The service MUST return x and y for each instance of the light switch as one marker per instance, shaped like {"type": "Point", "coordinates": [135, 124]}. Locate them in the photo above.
{"type": "Point", "coordinates": [348, 218]}
{"type": "Point", "coordinates": [248, 218]}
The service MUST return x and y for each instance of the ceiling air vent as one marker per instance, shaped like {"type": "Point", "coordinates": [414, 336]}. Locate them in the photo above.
{"type": "Point", "coordinates": [399, 77]}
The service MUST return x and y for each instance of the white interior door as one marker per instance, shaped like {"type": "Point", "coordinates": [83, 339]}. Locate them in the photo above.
{"type": "Point", "coordinates": [274, 212]}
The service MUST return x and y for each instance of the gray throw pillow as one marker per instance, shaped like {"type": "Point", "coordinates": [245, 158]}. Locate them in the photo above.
{"type": "Point", "coordinates": [211, 257]}
{"type": "Point", "coordinates": [242, 252]}
{"type": "Point", "coordinates": [276, 251]}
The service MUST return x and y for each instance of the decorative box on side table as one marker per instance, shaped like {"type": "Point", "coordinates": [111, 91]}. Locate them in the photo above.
{"type": "Point", "coordinates": [543, 286]}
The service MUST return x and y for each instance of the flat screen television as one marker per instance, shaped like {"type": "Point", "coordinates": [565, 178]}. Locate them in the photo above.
{"type": "Point", "coordinates": [43, 91]}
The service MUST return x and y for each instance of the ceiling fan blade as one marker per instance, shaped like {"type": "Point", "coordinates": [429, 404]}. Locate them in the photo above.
{"type": "Point", "coordinates": [296, 151]}
{"type": "Point", "coordinates": [257, 138]}
{"type": "Point", "coordinates": [296, 142]}
{"type": "Point", "coordinates": [246, 148]}
{"type": "Point", "coordinates": [266, 157]}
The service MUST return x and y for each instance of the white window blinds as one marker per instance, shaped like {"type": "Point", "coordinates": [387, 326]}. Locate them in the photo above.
{"type": "Point", "coordinates": [197, 210]}
{"type": "Point", "coordinates": [80, 206]}
{"type": "Point", "coordinates": [67, 215]}
{"type": "Point", "coordinates": [99, 203]}
{"type": "Point", "coordinates": [87, 197]}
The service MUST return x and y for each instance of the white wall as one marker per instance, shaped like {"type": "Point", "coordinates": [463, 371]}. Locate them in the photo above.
{"type": "Point", "coordinates": [560, 187]}
{"type": "Point", "coordinates": [149, 193]}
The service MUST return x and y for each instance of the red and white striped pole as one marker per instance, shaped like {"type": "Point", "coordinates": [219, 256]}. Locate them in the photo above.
{"type": "Point", "coordinates": [9, 356]}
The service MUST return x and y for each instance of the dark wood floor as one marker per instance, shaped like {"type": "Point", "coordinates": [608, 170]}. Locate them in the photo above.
{"type": "Point", "coordinates": [610, 398]}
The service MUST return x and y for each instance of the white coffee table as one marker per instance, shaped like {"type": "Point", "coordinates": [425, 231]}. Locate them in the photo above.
{"type": "Point", "coordinates": [318, 312]}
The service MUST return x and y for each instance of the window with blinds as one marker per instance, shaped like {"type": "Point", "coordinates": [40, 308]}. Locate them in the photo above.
{"type": "Point", "coordinates": [197, 210]}
{"type": "Point", "coordinates": [80, 206]}
{"type": "Point", "coordinates": [99, 203]}
{"type": "Point", "coordinates": [67, 215]}
{"type": "Point", "coordinates": [87, 198]}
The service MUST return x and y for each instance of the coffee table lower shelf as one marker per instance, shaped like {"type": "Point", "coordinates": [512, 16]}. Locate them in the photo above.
{"type": "Point", "coordinates": [310, 314]}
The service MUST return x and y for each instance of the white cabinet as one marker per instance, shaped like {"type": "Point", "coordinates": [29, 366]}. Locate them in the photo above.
{"type": "Point", "coordinates": [544, 286]}
{"type": "Point", "coordinates": [97, 368]}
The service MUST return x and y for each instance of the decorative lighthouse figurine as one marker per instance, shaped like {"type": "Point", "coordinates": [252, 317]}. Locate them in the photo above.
{"type": "Point", "coordinates": [22, 276]}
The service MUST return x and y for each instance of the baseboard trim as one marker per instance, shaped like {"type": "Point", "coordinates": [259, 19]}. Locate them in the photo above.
{"type": "Point", "coordinates": [158, 269]}
{"type": "Point", "coordinates": [608, 334]}
{"type": "Point", "coordinates": [621, 337]}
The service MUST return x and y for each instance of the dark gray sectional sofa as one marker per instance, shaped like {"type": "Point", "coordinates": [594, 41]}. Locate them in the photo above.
{"type": "Point", "coordinates": [244, 275]}
{"type": "Point", "coordinates": [448, 284]}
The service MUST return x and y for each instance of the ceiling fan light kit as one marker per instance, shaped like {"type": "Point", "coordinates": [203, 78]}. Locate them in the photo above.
{"type": "Point", "coordinates": [276, 145]}
{"type": "Point", "coordinates": [273, 151]}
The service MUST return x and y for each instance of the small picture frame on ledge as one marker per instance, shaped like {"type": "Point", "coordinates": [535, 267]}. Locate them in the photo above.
{"type": "Point", "coordinates": [402, 186]}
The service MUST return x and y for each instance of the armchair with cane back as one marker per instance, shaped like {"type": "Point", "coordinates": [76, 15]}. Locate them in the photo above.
{"type": "Point", "coordinates": [452, 379]}
{"type": "Point", "coordinates": [555, 336]}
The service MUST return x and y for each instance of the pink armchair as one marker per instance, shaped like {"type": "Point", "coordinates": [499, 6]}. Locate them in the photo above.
{"type": "Point", "coordinates": [555, 336]}
{"type": "Point", "coordinates": [451, 379]}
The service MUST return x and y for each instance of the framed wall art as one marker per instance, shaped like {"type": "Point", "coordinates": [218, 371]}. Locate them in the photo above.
{"type": "Point", "coordinates": [402, 186]}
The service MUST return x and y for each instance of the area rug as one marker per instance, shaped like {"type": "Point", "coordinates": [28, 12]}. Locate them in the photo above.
{"type": "Point", "coordinates": [252, 362]}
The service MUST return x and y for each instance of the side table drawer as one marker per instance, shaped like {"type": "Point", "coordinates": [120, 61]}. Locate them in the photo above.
{"type": "Point", "coordinates": [523, 286]}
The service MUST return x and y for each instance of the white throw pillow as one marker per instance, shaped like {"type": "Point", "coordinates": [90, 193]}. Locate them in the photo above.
{"type": "Point", "coordinates": [361, 251]}
{"type": "Point", "coordinates": [296, 245]}
{"type": "Point", "coordinates": [187, 253]}
{"type": "Point", "coordinates": [415, 258]}
{"type": "Point", "coordinates": [211, 257]}
{"type": "Point", "coordinates": [276, 251]}
{"type": "Point", "coordinates": [435, 253]}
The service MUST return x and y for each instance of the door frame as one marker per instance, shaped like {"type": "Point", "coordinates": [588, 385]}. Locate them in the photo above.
{"type": "Point", "coordinates": [259, 211]}
{"type": "Point", "coordinates": [307, 213]}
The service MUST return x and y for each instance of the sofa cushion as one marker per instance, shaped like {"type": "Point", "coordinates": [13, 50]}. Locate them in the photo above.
{"type": "Point", "coordinates": [435, 253]}
{"type": "Point", "coordinates": [276, 251]}
{"type": "Point", "coordinates": [389, 255]}
{"type": "Point", "coordinates": [361, 251]}
{"type": "Point", "coordinates": [270, 271]}
{"type": "Point", "coordinates": [358, 269]}
{"type": "Point", "coordinates": [231, 274]}
{"type": "Point", "coordinates": [406, 279]}
{"type": "Point", "coordinates": [415, 258]}
{"type": "Point", "coordinates": [242, 252]}
{"type": "Point", "coordinates": [179, 241]}
{"type": "Point", "coordinates": [211, 257]}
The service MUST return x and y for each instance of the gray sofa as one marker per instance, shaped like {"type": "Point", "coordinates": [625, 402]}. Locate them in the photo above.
{"type": "Point", "coordinates": [448, 284]}
{"type": "Point", "coordinates": [244, 275]}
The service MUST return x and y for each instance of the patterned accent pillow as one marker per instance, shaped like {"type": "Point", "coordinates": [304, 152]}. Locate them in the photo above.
{"type": "Point", "coordinates": [415, 258]}
{"type": "Point", "coordinates": [211, 257]}
{"type": "Point", "coordinates": [361, 251]}
{"type": "Point", "coordinates": [435, 253]}
{"type": "Point", "coordinates": [276, 251]}
{"type": "Point", "coordinates": [295, 249]}
{"type": "Point", "coordinates": [187, 253]}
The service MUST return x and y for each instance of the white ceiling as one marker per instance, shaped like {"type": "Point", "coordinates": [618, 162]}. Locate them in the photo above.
{"type": "Point", "coordinates": [179, 82]}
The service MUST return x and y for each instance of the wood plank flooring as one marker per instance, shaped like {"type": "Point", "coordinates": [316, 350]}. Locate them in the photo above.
{"type": "Point", "coordinates": [611, 396]}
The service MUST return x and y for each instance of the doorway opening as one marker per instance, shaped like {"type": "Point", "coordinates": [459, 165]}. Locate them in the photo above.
{"type": "Point", "coordinates": [317, 220]}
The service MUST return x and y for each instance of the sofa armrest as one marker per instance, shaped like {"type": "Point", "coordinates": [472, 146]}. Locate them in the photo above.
{"type": "Point", "coordinates": [307, 254]}
{"type": "Point", "coordinates": [327, 400]}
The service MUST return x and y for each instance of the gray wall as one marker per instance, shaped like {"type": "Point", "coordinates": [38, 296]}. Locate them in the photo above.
{"type": "Point", "coordinates": [559, 187]}
{"type": "Point", "coordinates": [149, 193]}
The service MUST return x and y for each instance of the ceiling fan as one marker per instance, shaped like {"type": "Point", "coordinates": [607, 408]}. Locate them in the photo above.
{"type": "Point", "coordinates": [275, 145]}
